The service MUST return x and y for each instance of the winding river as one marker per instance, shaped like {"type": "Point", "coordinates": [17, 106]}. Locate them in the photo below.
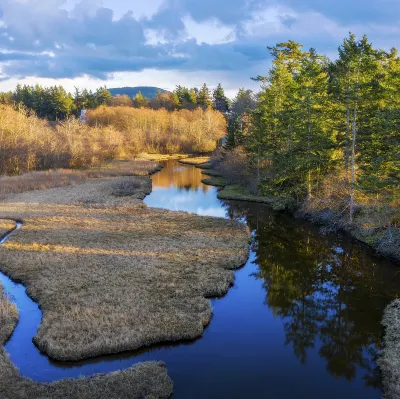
{"type": "Point", "coordinates": [302, 320]}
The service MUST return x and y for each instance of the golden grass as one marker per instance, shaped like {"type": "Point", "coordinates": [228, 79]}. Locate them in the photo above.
{"type": "Point", "coordinates": [195, 161]}
{"type": "Point", "coordinates": [145, 380]}
{"type": "Point", "coordinates": [110, 275]}
{"type": "Point", "coordinates": [66, 177]}
{"type": "Point", "coordinates": [5, 227]}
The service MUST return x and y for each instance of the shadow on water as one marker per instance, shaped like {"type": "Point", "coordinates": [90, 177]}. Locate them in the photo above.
{"type": "Point", "coordinates": [302, 320]}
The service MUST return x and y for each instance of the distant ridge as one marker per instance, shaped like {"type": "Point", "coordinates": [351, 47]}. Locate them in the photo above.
{"type": "Point", "coordinates": [147, 91]}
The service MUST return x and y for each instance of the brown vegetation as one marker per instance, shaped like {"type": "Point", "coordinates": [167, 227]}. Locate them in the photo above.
{"type": "Point", "coordinates": [5, 227]}
{"type": "Point", "coordinates": [126, 277]}
{"type": "Point", "coordinates": [67, 177]}
{"type": "Point", "coordinates": [161, 131]}
{"type": "Point", "coordinates": [145, 380]}
{"type": "Point", "coordinates": [195, 160]}
{"type": "Point", "coordinates": [28, 143]}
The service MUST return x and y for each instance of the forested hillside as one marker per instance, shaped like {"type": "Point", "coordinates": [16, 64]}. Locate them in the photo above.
{"type": "Point", "coordinates": [147, 91]}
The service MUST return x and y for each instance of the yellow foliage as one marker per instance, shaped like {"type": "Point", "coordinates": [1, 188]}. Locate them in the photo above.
{"type": "Point", "coordinates": [161, 131]}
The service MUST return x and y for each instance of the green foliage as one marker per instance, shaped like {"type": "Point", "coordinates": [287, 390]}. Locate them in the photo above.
{"type": "Point", "coordinates": [220, 101]}
{"type": "Point", "coordinates": [204, 97]}
{"type": "Point", "coordinates": [313, 115]}
{"type": "Point", "coordinates": [242, 105]}
{"type": "Point", "coordinates": [140, 101]}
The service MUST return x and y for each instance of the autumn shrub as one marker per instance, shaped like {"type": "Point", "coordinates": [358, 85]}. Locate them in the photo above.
{"type": "Point", "coordinates": [28, 143]}
{"type": "Point", "coordinates": [162, 131]}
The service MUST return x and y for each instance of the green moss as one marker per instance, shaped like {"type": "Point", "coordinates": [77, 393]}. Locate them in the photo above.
{"type": "Point", "coordinates": [211, 172]}
{"type": "Point", "coordinates": [206, 165]}
{"type": "Point", "coordinates": [239, 193]}
{"type": "Point", "coordinates": [215, 181]}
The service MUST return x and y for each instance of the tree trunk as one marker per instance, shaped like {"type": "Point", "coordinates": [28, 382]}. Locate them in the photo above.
{"type": "Point", "coordinates": [347, 139]}
{"type": "Point", "coordinates": [309, 188]}
{"type": "Point", "coordinates": [353, 163]}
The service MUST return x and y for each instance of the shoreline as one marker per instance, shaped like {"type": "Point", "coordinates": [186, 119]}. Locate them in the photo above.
{"type": "Point", "coordinates": [234, 192]}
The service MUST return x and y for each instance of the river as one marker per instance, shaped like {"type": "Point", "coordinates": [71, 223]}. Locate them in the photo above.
{"type": "Point", "coordinates": [302, 320]}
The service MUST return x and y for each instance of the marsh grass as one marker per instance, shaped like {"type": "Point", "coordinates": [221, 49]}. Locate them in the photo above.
{"type": "Point", "coordinates": [195, 161]}
{"type": "Point", "coordinates": [112, 275]}
{"type": "Point", "coordinates": [145, 380]}
{"type": "Point", "coordinates": [34, 181]}
{"type": "Point", "coordinates": [5, 227]}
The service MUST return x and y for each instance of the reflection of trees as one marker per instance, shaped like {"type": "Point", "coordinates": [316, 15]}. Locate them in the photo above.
{"type": "Point", "coordinates": [188, 179]}
{"type": "Point", "coordinates": [326, 296]}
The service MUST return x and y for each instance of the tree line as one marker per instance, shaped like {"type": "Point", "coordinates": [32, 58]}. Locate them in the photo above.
{"type": "Point", "coordinates": [55, 103]}
{"type": "Point", "coordinates": [327, 132]}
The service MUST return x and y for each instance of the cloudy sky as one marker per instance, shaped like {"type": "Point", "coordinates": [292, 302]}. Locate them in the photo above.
{"type": "Point", "coordinates": [88, 43]}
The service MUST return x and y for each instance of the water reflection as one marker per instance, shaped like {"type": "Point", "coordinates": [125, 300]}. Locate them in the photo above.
{"type": "Point", "coordinates": [178, 187]}
{"type": "Point", "coordinates": [329, 292]}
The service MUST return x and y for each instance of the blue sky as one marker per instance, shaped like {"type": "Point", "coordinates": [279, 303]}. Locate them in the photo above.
{"type": "Point", "coordinates": [89, 43]}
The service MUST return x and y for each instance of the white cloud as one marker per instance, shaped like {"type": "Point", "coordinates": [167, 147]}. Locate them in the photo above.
{"type": "Point", "coordinates": [211, 31]}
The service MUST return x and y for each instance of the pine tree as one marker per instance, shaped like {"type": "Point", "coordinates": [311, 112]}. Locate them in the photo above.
{"type": "Point", "coordinates": [220, 101]}
{"type": "Point", "coordinates": [204, 97]}
{"type": "Point", "coordinates": [140, 101]}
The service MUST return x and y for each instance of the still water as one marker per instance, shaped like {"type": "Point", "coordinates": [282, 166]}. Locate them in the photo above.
{"type": "Point", "coordinates": [302, 320]}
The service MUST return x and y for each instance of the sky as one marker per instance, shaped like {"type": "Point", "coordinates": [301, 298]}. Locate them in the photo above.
{"type": "Point", "coordinates": [92, 43]}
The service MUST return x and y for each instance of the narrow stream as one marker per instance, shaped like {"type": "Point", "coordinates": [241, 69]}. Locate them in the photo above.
{"type": "Point", "coordinates": [302, 320]}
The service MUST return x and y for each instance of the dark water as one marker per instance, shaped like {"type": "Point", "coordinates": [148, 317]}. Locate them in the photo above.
{"type": "Point", "coordinates": [302, 320]}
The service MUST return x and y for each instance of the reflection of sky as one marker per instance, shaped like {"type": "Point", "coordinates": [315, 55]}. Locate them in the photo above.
{"type": "Point", "coordinates": [193, 200]}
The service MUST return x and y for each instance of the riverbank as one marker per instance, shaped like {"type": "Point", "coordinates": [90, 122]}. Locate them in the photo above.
{"type": "Point", "coordinates": [98, 261]}
{"type": "Point", "coordinates": [364, 228]}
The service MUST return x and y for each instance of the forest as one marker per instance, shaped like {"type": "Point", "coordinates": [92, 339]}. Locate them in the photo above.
{"type": "Point", "coordinates": [323, 137]}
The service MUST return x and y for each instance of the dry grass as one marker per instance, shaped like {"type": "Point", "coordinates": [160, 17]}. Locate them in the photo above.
{"type": "Point", "coordinates": [160, 131]}
{"type": "Point", "coordinates": [5, 227]}
{"type": "Point", "coordinates": [195, 161]}
{"type": "Point", "coordinates": [145, 380]}
{"type": "Point", "coordinates": [67, 177]}
{"type": "Point", "coordinates": [390, 359]}
{"type": "Point", "coordinates": [112, 278]}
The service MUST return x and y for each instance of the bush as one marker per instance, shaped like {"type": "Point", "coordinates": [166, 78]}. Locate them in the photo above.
{"type": "Point", "coordinates": [162, 131]}
{"type": "Point", "coordinates": [28, 143]}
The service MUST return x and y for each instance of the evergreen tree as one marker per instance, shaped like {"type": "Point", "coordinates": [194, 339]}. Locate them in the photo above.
{"type": "Point", "coordinates": [220, 101]}
{"type": "Point", "coordinates": [140, 101]}
{"type": "Point", "coordinates": [103, 96]}
{"type": "Point", "coordinates": [204, 97]}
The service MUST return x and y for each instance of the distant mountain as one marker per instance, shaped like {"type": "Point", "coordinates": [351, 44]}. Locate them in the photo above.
{"type": "Point", "coordinates": [147, 91]}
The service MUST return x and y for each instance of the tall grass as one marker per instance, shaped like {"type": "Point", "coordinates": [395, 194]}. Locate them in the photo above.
{"type": "Point", "coordinates": [28, 143]}
{"type": "Point", "coordinates": [161, 131]}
